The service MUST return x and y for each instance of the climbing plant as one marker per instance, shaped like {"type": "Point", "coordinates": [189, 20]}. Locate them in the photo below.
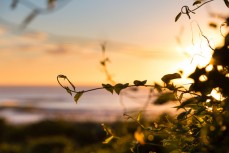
{"type": "Point", "coordinates": [201, 123]}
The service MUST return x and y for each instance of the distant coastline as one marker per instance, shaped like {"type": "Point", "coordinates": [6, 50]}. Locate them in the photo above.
{"type": "Point", "coordinates": [20, 104]}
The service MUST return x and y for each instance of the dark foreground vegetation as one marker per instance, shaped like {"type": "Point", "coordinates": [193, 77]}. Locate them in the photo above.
{"type": "Point", "coordinates": [52, 137]}
{"type": "Point", "coordinates": [58, 136]}
{"type": "Point", "coordinates": [201, 125]}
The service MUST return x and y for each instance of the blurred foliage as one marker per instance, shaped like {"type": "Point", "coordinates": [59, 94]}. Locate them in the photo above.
{"type": "Point", "coordinates": [58, 136]}
{"type": "Point", "coordinates": [57, 144]}
{"type": "Point", "coordinates": [201, 123]}
{"type": "Point", "coordinates": [35, 10]}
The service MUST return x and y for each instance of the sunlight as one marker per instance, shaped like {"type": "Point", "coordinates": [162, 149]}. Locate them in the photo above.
{"type": "Point", "coordinates": [209, 68]}
{"type": "Point", "coordinates": [209, 109]}
{"type": "Point", "coordinates": [217, 94]}
{"type": "Point", "coordinates": [198, 55]}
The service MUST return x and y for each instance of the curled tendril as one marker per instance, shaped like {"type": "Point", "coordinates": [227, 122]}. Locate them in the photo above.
{"type": "Point", "coordinates": [186, 10]}
{"type": "Point", "coordinates": [65, 78]}
{"type": "Point", "coordinates": [202, 34]}
{"type": "Point", "coordinates": [223, 24]}
{"type": "Point", "coordinates": [72, 85]}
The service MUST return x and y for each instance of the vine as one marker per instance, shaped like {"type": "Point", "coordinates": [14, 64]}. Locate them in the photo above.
{"type": "Point", "coordinates": [186, 10]}
{"type": "Point", "coordinates": [201, 123]}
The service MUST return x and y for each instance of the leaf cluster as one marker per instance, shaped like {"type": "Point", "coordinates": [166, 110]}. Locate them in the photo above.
{"type": "Point", "coordinates": [117, 88]}
{"type": "Point", "coordinates": [201, 123]}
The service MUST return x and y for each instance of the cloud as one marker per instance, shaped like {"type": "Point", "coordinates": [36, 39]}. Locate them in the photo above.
{"type": "Point", "coordinates": [58, 49]}
{"type": "Point", "coordinates": [31, 41]}
{"type": "Point", "coordinates": [43, 44]}
{"type": "Point", "coordinates": [38, 36]}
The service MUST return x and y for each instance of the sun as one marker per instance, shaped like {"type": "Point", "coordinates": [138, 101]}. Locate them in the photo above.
{"type": "Point", "coordinates": [197, 56]}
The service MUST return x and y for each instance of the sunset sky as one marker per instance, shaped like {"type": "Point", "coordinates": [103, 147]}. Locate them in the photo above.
{"type": "Point", "coordinates": [140, 37]}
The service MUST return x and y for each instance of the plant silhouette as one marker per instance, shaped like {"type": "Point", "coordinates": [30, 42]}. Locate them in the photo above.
{"type": "Point", "coordinates": [201, 123]}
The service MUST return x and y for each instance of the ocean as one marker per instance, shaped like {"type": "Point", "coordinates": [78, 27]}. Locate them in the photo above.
{"type": "Point", "coordinates": [30, 104]}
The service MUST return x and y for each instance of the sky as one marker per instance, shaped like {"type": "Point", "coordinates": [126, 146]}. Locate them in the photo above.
{"type": "Point", "coordinates": [140, 37]}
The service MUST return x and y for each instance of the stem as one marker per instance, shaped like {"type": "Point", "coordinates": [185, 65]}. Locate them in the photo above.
{"type": "Point", "coordinates": [99, 88]}
{"type": "Point", "coordinates": [185, 9]}
{"type": "Point", "coordinates": [31, 5]}
{"type": "Point", "coordinates": [221, 29]}
{"type": "Point", "coordinates": [94, 89]}
{"type": "Point", "coordinates": [189, 11]}
{"type": "Point", "coordinates": [136, 121]}
{"type": "Point", "coordinates": [205, 37]}
{"type": "Point", "coordinates": [59, 82]}
{"type": "Point", "coordinates": [198, 120]}
{"type": "Point", "coordinates": [202, 5]}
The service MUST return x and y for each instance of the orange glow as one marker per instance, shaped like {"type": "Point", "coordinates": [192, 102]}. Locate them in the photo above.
{"type": "Point", "coordinates": [199, 56]}
{"type": "Point", "coordinates": [33, 59]}
{"type": "Point", "coordinates": [216, 94]}
{"type": "Point", "coordinates": [146, 50]}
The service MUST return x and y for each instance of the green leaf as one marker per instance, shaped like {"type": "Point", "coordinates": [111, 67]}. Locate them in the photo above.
{"type": "Point", "coordinates": [178, 16]}
{"type": "Point", "coordinates": [166, 142]}
{"type": "Point", "coordinates": [188, 139]}
{"type": "Point", "coordinates": [227, 3]}
{"type": "Point", "coordinates": [107, 140]}
{"type": "Point", "coordinates": [164, 98]}
{"type": "Point", "coordinates": [140, 83]}
{"type": "Point", "coordinates": [106, 129]}
{"type": "Point", "coordinates": [201, 110]}
{"type": "Point", "coordinates": [213, 25]}
{"type": "Point", "coordinates": [188, 103]}
{"type": "Point", "coordinates": [183, 115]}
{"type": "Point", "coordinates": [171, 87]}
{"type": "Point", "coordinates": [196, 3]}
{"type": "Point", "coordinates": [139, 116]}
{"type": "Point", "coordinates": [118, 87]}
{"type": "Point", "coordinates": [108, 133]}
{"type": "Point", "coordinates": [181, 96]}
{"type": "Point", "coordinates": [158, 87]}
{"type": "Point", "coordinates": [132, 148]}
{"type": "Point", "coordinates": [168, 77]}
{"type": "Point", "coordinates": [108, 87]}
{"type": "Point", "coordinates": [78, 95]}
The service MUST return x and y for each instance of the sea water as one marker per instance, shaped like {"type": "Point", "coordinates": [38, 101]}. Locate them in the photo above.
{"type": "Point", "coordinates": [28, 104]}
